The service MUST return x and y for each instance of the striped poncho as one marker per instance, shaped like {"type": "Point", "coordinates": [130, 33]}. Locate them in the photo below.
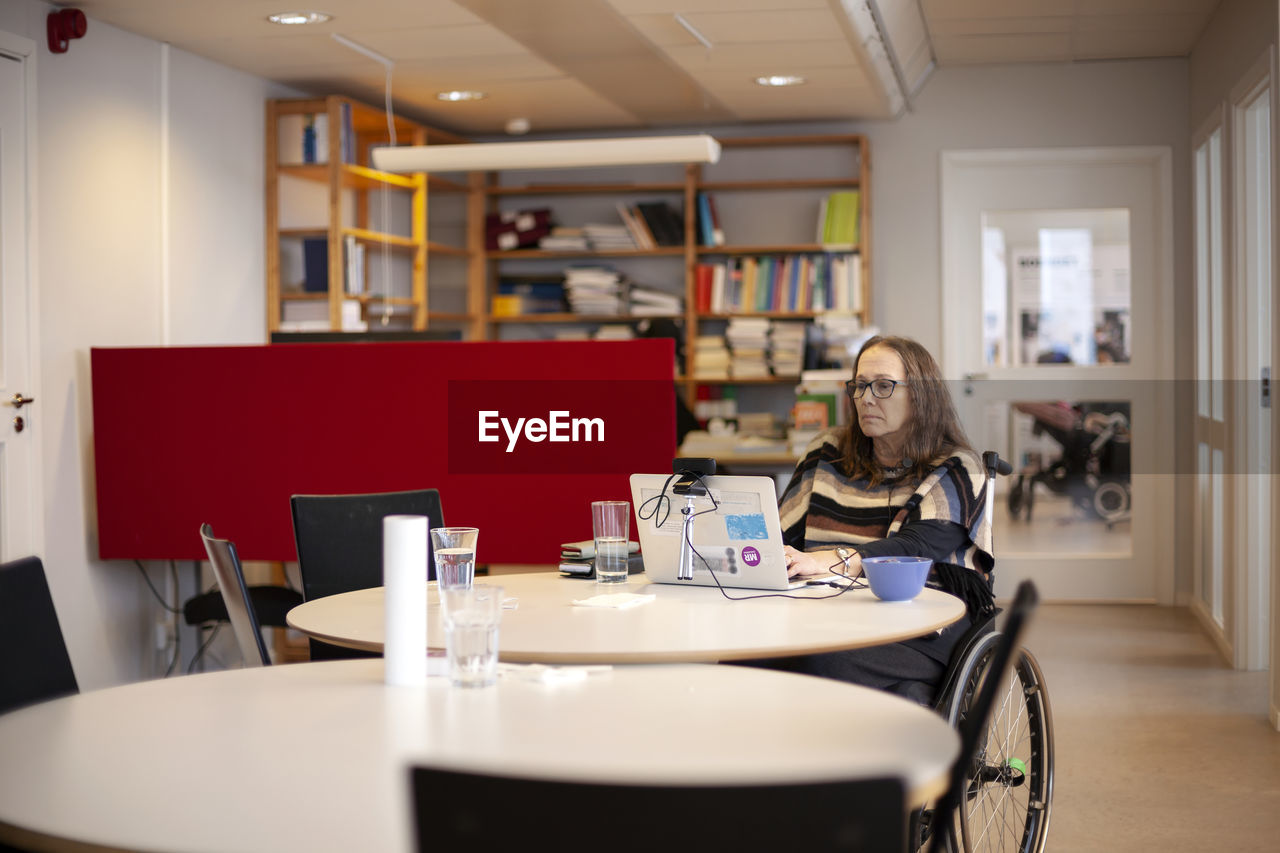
{"type": "Point", "coordinates": [940, 516]}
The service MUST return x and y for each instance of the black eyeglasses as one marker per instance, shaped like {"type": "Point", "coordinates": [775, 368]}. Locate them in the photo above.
{"type": "Point", "coordinates": [880, 388]}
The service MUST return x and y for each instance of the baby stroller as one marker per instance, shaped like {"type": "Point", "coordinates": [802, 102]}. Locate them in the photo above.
{"type": "Point", "coordinates": [1093, 468]}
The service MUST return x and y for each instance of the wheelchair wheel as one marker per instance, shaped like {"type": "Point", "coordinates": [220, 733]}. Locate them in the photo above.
{"type": "Point", "coordinates": [1010, 785]}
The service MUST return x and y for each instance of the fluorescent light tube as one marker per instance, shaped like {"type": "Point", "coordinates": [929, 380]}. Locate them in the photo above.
{"type": "Point", "coordinates": [556, 154]}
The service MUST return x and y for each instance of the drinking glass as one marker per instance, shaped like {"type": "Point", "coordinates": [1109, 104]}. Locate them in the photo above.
{"type": "Point", "coordinates": [455, 552]}
{"type": "Point", "coordinates": [471, 618]}
{"type": "Point", "coordinates": [611, 523]}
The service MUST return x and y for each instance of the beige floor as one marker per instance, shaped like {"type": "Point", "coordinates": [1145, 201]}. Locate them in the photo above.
{"type": "Point", "coordinates": [1158, 746]}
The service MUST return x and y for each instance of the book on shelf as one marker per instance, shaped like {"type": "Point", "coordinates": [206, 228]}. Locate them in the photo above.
{"type": "Point", "coordinates": [634, 223]}
{"type": "Point", "coordinates": [840, 218]}
{"type": "Point", "coordinates": [354, 254]}
{"type": "Point", "coordinates": [663, 221]}
{"type": "Point", "coordinates": [516, 296]}
{"type": "Point", "coordinates": [708, 223]}
{"type": "Point", "coordinates": [315, 261]}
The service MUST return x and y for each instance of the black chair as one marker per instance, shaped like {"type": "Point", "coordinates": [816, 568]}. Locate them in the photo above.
{"type": "Point", "coordinates": [339, 539]}
{"type": "Point", "coordinates": [456, 810]}
{"type": "Point", "coordinates": [242, 603]}
{"type": "Point", "coordinates": [1001, 786]}
{"type": "Point", "coordinates": [35, 665]}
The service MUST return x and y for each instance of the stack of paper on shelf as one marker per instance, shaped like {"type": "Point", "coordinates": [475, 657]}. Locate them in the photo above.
{"type": "Point", "coordinates": [842, 336]}
{"type": "Point", "coordinates": [710, 358]}
{"type": "Point", "coordinates": [608, 238]}
{"type": "Point", "coordinates": [748, 339]}
{"type": "Point", "coordinates": [594, 290]}
{"type": "Point", "coordinates": [614, 332]}
{"type": "Point", "coordinates": [313, 316]}
{"type": "Point", "coordinates": [651, 301]}
{"type": "Point", "coordinates": [786, 347]}
{"type": "Point", "coordinates": [564, 239]}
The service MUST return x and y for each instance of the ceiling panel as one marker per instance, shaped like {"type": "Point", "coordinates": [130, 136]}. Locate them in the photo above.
{"type": "Point", "coordinates": [582, 64]}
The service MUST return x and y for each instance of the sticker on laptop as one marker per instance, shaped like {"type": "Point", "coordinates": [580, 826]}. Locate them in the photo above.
{"type": "Point", "coordinates": [750, 526]}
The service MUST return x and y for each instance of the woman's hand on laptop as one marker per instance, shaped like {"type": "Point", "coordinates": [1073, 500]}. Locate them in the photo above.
{"type": "Point", "coordinates": [814, 563]}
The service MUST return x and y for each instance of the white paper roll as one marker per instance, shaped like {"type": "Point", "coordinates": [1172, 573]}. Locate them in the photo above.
{"type": "Point", "coordinates": [404, 574]}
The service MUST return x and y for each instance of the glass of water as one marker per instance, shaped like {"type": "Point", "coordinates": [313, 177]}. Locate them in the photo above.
{"type": "Point", "coordinates": [611, 523]}
{"type": "Point", "coordinates": [455, 553]}
{"type": "Point", "coordinates": [471, 618]}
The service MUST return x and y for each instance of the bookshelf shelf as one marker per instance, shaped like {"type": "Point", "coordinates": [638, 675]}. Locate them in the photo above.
{"type": "Point", "coordinates": [812, 184]}
{"type": "Point", "coordinates": [515, 254]}
{"type": "Point", "coordinates": [787, 249]}
{"type": "Point", "coordinates": [619, 189]}
{"type": "Point", "coordinates": [568, 318]}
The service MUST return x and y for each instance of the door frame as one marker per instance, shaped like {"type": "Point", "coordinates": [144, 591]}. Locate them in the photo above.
{"type": "Point", "coordinates": [24, 50]}
{"type": "Point", "coordinates": [1249, 570]}
{"type": "Point", "coordinates": [956, 355]}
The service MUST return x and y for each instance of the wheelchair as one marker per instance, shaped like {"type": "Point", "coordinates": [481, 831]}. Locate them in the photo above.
{"type": "Point", "coordinates": [1010, 781]}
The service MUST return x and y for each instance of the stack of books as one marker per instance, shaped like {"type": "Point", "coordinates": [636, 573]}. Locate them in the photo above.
{"type": "Point", "coordinates": [564, 239]}
{"type": "Point", "coordinates": [608, 238]}
{"type": "Point", "coordinates": [650, 301]}
{"type": "Point", "coordinates": [842, 336]}
{"type": "Point", "coordinates": [748, 339]}
{"type": "Point", "coordinates": [786, 347]}
{"type": "Point", "coordinates": [594, 290]}
{"type": "Point", "coordinates": [578, 558]}
{"type": "Point", "coordinates": [515, 297]}
{"type": "Point", "coordinates": [710, 357]}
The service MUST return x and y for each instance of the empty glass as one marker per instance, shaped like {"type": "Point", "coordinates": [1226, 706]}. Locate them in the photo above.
{"type": "Point", "coordinates": [471, 617]}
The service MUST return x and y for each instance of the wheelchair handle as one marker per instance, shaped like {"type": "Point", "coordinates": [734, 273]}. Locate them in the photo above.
{"type": "Point", "coordinates": [996, 465]}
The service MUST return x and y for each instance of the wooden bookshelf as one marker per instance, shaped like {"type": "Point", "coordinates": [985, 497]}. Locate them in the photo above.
{"type": "Point", "coordinates": [345, 130]}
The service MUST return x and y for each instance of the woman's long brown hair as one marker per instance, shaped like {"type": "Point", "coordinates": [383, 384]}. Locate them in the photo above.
{"type": "Point", "coordinates": [933, 430]}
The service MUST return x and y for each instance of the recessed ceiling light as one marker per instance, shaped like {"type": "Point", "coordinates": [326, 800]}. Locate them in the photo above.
{"type": "Point", "coordinates": [299, 18]}
{"type": "Point", "coordinates": [780, 80]}
{"type": "Point", "coordinates": [461, 95]}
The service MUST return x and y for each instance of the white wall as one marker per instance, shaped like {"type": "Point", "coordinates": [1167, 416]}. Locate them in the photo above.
{"type": "Point", "coordinates": [98, 189]}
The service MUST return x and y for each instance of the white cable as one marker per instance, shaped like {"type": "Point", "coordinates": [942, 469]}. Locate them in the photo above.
{"type": "Point", "coordinates": [385, 192]}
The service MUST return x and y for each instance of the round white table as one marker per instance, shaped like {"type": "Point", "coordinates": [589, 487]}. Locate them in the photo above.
{"type": "Point", "coordinates": [686, 624]}
{"type": "Point", "coordinates": [315, 756]}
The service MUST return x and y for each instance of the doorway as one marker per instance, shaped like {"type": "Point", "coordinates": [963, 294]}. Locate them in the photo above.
{"type": "Point", "coordinates": [21, 518]}
{"type": "Point", "coordinates": [1059, 344]}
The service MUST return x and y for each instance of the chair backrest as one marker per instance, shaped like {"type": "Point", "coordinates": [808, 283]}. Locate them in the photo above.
{"type": "Point", "coordinates": [34, 664]}
{"type": "Point", "coordinates": [235, 595]}
{"type": "Point", "coordinates": [339, 539]}
{"type": "Point", "coordinates": [974, 725]}
{"type": "Point", "coordinates": [480, 812]}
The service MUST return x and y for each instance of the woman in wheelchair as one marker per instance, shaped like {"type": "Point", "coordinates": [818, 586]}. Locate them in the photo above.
{"type": "Point", "coordinates": [900, 479]}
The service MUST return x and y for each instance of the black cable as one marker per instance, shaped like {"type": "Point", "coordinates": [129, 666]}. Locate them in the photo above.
{"type": "Point", "coordinates": [155, 591]}
{"type": "Point", "coordinates": [217, 626]}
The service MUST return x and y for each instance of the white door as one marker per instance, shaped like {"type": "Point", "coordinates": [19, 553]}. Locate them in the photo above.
{"type": "Point", "coordinates": [20, 510]}
{"type": "Point", "coordinates": [1057, 274]}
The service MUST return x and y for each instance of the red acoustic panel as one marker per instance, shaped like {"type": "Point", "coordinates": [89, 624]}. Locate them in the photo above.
{"type": "Point", "coordinates": [519, 437]}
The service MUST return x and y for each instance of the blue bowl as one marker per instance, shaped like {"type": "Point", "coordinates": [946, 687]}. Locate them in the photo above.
{"type": "Point", "coordinates": [896, 578]}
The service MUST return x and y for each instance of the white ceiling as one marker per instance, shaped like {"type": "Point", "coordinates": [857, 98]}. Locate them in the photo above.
{"type": "Point", "coordinates": [599, 64]}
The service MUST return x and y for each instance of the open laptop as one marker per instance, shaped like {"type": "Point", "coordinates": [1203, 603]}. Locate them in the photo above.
{"type": "Point", "coordinates": [741, 540]}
